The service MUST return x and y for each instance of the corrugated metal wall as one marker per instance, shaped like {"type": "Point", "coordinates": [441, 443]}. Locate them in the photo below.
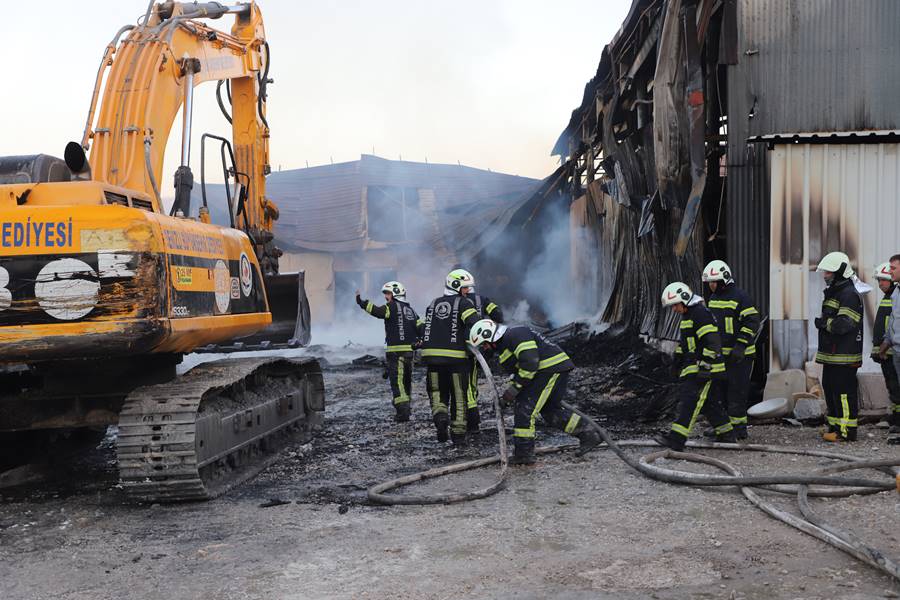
{"type": "Point", "coordinates": [747, 219]}
{"type": "Point", "coordinates": [827, 198]}
{"type": "Point", "coordinates": [814, 65]}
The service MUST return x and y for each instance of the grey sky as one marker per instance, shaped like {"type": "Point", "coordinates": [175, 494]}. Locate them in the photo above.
{"type": "Point", "coordinates": [490, 83]}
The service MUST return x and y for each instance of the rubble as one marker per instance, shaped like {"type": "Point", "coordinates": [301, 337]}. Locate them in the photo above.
{"type": "Point", "coordinates": [622, 380]}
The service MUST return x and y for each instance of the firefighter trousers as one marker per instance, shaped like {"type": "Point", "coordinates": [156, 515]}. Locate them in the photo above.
{"type": "Point", "coordinates": [448, 391]}
{"type": "Point", "coordinates": [543, 396]}
{"type": "Point", "coordinates": [736, 390]}
{"type": "Point", "coordinates": [892, 381]}
{"type": "Point", "coordinates": [842, 399]}
{"type": "Point", "coordinates": [695, 396]}
{"type": "Point", "coordinates": [399, 368]}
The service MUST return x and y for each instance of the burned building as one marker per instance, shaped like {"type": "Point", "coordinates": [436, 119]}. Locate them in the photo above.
{"type": "Point", "coordinates": [355, 225]}
{"type": "Point", "coordinates": [761, 132]}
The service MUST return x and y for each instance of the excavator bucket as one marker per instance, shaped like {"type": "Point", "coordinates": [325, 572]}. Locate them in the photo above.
{"type": "Point", "coordinates": [290, 327]}
{"type": "Point", "coordinates": [290, 310]}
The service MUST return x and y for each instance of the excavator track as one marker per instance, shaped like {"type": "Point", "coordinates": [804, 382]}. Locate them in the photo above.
{"type": "Point", "coordinates": [219, 424]}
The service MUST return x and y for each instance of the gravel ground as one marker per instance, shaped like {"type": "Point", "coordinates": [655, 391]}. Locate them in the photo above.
{"type": "Point", "coordinates": [566, 528]}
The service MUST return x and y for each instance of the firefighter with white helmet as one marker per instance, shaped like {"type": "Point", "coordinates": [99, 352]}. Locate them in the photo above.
{"type": "Point", "coordinates": [840, 331]}
{"type": "Point", "coordinates": [400, 322]}
{"type": "Point", "coordinates": [540, 375]}
{"type": "Point", "coordinates": [444, 333]}
{"type": "Point", "coordinates": [701, 368]}
{"type": "Point", "coordinates": [882, 317]}
{"type": "Point", "coordinates": [738, 320]}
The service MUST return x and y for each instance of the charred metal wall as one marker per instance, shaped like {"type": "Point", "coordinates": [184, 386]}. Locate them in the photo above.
{"type": "Point", "coordinates": [747, 222]}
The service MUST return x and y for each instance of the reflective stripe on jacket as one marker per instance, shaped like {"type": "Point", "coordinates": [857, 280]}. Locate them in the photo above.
{"type": "Point", "coordinates": [840, 341]}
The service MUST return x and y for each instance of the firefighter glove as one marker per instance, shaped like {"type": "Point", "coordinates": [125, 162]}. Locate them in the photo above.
{"type": "Point", "coordinates": [509, 396]}
{"type": "Point", "coordinates": [820, 322]}
{"type": "Point", "coordinates": [737, 354]}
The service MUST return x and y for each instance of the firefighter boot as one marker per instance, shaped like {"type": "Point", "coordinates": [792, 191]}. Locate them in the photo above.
{"type": "Point", "coordinates": [588, 439]}
{"type": "Point", "coordinates": [403, 412]}
{"type": "Point", "coordinates": [441, 423]}
{"type": "Point", "coordinates": [473, 421]}
{"type": "Point", "coordinates": [728, 437]}
{"type": "Point", "coordinates": [459, 440]}
{"type": "Point", "coordinates": [523, 452]}
{"type": "Point", "coordinates": [671, 440]}
{"type": "Point", "coordinates": [740, 432]}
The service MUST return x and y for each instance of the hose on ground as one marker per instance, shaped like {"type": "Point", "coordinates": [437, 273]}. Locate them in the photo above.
{"type": "Point", "coordinates": [828, 484]}
{"type": "Point", "coordinates": [377, 494]}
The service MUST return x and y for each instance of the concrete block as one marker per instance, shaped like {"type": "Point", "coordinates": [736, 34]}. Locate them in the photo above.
{"type": "Point", "coordinates": [784, 384]}
{"type": "Point", "coordinates": [813, 375]}
{"type": "Point", "coordinates": [873, 396]}
{"type": "Point", "coordinates": [808, 406]}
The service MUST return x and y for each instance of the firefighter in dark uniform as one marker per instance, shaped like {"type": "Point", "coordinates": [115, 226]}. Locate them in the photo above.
{"type": "Point", "coordinates": [887, 286]}
{"type": "Point", "coordinates": [738, 321]}
{"type": "Point", "coordinates": [840, 346]}
{"type": "Point", "coordinates": [701, 369]}
{"type": "Point", "coordinates": [444, 333]}
{"type": "Point", "coordinates": [538, 386]}
{"type": "Point", "coordinates": [400, 321]}
{"type": "Point", "coordinates": [488, 309]}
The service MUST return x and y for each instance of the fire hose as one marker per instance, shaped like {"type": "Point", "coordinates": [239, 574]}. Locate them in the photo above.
{"type": "Point", "coordinates": [821, 482]}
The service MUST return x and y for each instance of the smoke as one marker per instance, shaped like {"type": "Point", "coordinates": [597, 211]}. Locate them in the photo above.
{"type": "Point", "coordinates": [534, 263]}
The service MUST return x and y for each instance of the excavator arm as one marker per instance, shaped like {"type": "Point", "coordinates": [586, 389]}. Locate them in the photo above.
{"type": "Point", "coordinates": [147, 74]}
{"type": "Point", "coordinates": [150, 75]}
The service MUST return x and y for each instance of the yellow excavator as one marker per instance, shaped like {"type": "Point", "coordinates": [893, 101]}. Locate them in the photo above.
{"type": "Point", "coordinates": [102, 290]}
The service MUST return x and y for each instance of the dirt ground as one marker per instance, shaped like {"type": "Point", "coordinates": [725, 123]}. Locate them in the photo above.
{"type": "Point", "coordinates": [567, 528]}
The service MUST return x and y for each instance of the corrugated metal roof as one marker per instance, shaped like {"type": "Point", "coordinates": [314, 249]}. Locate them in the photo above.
{"type": "Point", "coordinates": [814, 65]}
{"type": "Point", "coordinates": [322, 208]}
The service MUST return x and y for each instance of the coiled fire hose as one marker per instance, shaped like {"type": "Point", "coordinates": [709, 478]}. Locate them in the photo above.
{"type": "Point", "coordinates": [822, 481]}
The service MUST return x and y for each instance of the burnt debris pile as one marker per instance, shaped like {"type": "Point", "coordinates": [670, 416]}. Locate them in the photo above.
{"type": "Point", "coordinates": [620, 380]}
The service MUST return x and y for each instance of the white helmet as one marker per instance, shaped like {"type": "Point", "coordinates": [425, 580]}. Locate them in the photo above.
{"type": "Point", "coordinates": [486, 330]}
{"type": "Point", "coordinates": [717, 270]}
{"type": "Point", "coordinates": [458, 279]}
{"type": "Point", "coordinates": [883, 271]}
{"type": "Point", "coordinates": [676, 293]}
{"type": "Point", "coordinates": [396, 288]}
{"type": "Point", "coordinates": [837, 263]}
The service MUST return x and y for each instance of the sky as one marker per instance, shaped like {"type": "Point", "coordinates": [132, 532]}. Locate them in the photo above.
{"type": "Point", "coordinates": [487, 83]}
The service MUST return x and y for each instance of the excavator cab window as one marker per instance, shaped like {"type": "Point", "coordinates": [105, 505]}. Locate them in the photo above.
{"type": "Point", "coordinates": [225, 202]}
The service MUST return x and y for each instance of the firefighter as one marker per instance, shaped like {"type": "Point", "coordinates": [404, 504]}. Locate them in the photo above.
{"type": "Point", "coordinates": [400, 321]}
{"type": "Point", "coordinates": [738, 321]}
{"type": "Point", "coordinates": [444, 334]}
{"type": "Point", "coordinates": [701, 369]}
{"type": "Point", "coordinates": [540, 378]}
{"type": "Point", "coordinates": [488, 309]}
{"type": "Point", "coordinates": [886, 358]}
{"type": "Point", "coordinates": [840, 346]}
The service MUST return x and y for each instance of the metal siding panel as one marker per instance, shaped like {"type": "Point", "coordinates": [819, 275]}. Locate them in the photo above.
{"type": "Point", "coordinates": [851, 193]}
{"type": "Point", "coordinates": [819, 65]}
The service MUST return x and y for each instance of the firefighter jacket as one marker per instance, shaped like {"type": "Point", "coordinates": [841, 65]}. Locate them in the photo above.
{"type": "Point", "coordinates": [882, 316]}
{"type": "Point", "coordinates": [524, 353]}
{"type": "Point", "coordinates": [486, 307]}
{"type": "Point", "coordinates": [840, 326]}
{"type": "Point", "coordinates": [400, 322]}
{"type": "Point", "coordinates": [700, 347]}
{"type": "Point", "coordinates": [446, 329]}
{"type": "Point", "coordinates": [737, 317]}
